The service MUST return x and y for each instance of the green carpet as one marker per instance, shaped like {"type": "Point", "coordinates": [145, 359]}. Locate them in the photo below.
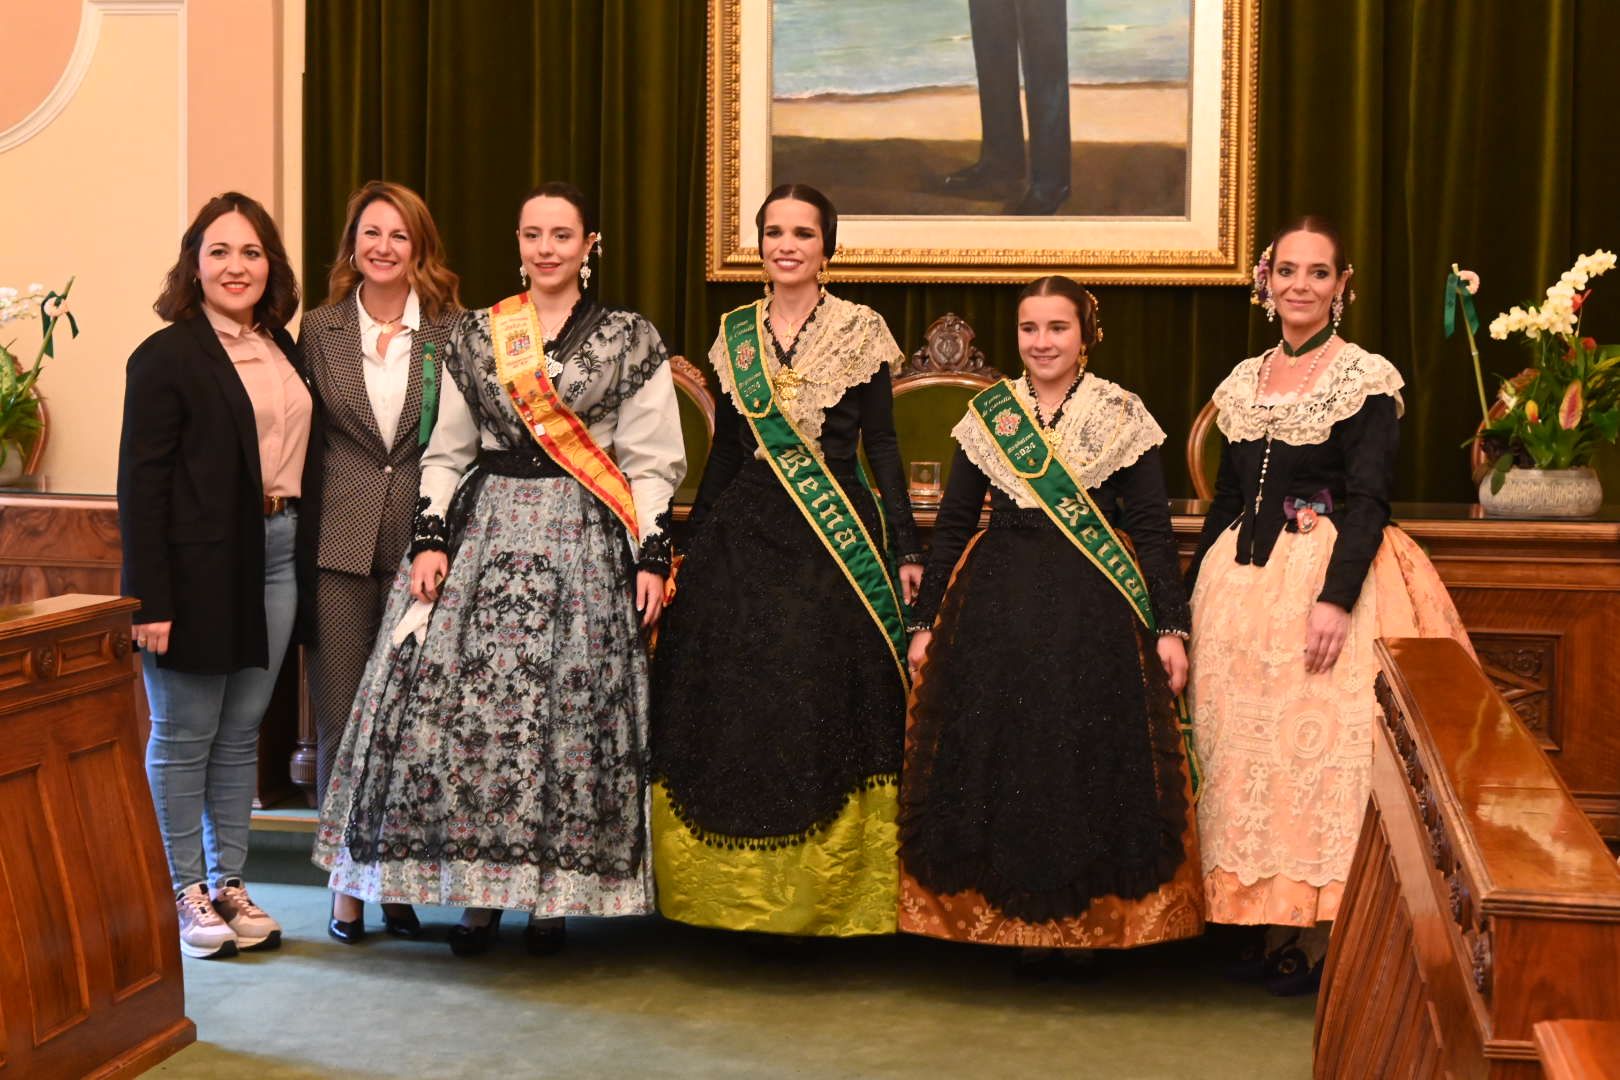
{"type": "Point", "coordinates": [646, 998]}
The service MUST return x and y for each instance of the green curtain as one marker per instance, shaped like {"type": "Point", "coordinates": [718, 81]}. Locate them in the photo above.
{"type": "Point", "coordinates": [1483, 132]}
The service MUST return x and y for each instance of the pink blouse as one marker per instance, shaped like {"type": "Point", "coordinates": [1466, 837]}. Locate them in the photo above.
{"type": "Point", "coordinates": [281, 402]}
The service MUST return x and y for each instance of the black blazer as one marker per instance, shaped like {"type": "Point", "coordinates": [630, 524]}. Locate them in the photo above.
{"type": "Point", "coordinates": [190, 501]}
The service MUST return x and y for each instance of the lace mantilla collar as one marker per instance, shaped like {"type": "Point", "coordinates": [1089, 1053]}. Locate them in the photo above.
{"type": "Point", "coordinates": [1307, 420]}
{"type": "Point", "coordinates": [1104, 428]}
{"type": "Point", "coordinates": [843, 347]}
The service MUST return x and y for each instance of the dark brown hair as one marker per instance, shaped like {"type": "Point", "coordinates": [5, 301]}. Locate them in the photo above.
{"type": "Point", "coordinates": [1313, 223]}
{"type": "Point", "coordinates": [806, 194]}
{"type": "Point", "coordinates": [437, 286]}
{"type": "Point", "coordinates": [1085, 305]}
{"type": "Point", "coordinates": [181, 297]}
{"type": "Point", "coordinates": [562, 189]}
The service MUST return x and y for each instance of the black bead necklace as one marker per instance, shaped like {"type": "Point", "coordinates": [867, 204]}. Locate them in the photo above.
{"type": "Point", "coordinates": [1067, 394]}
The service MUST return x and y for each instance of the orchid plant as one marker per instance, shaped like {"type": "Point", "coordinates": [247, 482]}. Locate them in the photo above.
{"type": "Point", "coordinates": [19, 408]}
{"type": "Point", "coordinates": [1554, 414]}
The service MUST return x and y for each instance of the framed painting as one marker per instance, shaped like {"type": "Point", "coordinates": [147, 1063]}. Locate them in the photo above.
{"type": "Point", "coordinates": [991, 140]}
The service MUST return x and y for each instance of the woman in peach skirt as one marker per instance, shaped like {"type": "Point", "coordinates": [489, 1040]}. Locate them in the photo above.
{"type": "Point", "coordinates": [1297, 573]}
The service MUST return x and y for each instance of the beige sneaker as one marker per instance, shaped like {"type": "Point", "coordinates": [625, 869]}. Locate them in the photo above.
{"type": "Point", "coordinates": [254, 929]}
{"type": "Point", "coordinates": [203, 934]}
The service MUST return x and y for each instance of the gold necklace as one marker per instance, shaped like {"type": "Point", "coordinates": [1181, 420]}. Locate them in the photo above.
{"type": "Point", "coordinates": [388, 325]}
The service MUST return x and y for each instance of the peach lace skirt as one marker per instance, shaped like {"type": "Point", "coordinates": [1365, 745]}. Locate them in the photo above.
{"type": "Point", "coordinates": [1287, 755]}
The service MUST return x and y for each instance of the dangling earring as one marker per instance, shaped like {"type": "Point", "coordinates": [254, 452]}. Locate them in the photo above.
{"type": "Point", "coordinates": [821, 280]}
{"type": "Point", "coordinates": [1271, 307]}
{"type": "Point", "coordinates": [523, 275]}
{"type": "Point", "coordinates": [585, 264]}
{"type": "Point", "coordinates": [1085, 358]}
{"type": "Point", "coordinates": [1338, 310]}
{"type": "Point", "coordinates": [765, 276]}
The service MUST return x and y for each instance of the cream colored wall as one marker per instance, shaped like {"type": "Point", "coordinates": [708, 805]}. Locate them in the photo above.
{"type": "Point", "coordinates": [161, 104]}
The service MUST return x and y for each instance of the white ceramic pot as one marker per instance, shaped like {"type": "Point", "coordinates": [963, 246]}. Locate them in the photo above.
{"type": "Point", "coordinates": [1544, 493]}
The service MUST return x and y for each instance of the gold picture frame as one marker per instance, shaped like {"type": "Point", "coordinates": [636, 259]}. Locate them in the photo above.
{"type": "Point", "coordinates": [1210, 242]}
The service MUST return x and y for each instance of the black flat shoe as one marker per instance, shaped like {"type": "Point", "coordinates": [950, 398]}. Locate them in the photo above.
{"type": "Point", "coordinates": [1294, 975]}
{"type": "Point", "coordinates": [546, 939]}
{"type": "Point", "coordinates": [474, 940]}
{"type": "Point", "coordinates": [350, 933]}
{"type": "Point", "coordinates": [402, 924]}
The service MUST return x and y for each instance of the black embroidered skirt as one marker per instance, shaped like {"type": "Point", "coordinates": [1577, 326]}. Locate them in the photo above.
{"type": "Point", "coordinates": [778, 720]}
{"type": "Point", "coordinates": [775, 694]}
{"type": "Point", "coordinates": [1043, 760]}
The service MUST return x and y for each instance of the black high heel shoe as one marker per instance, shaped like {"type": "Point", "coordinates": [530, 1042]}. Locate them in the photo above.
{"type": "Point", "coordinates": [474, 940]}
{"type": "Point", "coordinates": [403, 924]}
{"type": "Point", "coordinates": [545, 939]}
{"type": "Point", "coordinates": [350, 933]}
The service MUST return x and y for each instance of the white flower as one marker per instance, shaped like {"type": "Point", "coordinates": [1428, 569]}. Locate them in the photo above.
{"type": "Point", "coordinates": [7, 294]}
{"type": "Point", "coordinates": [35, 288]}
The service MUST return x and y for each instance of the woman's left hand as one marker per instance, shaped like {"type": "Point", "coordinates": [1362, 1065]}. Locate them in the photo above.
{"type": "Point", "coordinates": [1325, 631]}
{"type": "Point", "coordinates": [649, 596]}
{"type": "Point", "coordinates": [911, 576]}
{"type": "Point", "coordinates": [1173, 655]}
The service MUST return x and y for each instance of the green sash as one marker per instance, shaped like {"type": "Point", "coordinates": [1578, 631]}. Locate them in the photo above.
{"type": "Point", "coordinates": [815, 491]}
{"type": "Point", "coordinates": [1024, 445]}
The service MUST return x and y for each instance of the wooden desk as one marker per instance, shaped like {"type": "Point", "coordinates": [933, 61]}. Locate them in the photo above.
{"type": "Point", "coordinates": [1481, 900]}
{"type": "Point", "coordinates": [1579, 1049]}
{"type": "Point", "coordinates": [90, 979]}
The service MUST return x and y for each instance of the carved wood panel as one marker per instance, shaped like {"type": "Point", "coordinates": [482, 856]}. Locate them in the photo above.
{"type": "Point", "coordinates": [1524, 669]}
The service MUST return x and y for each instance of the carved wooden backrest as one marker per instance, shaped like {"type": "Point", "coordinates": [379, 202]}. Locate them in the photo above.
{"type": "Point", "coordinates": [1203, 450]}
{"type": "Point", "coordinates": [948, 348]}
{"type": "Point", "coordinates": [932, 391]}
{"type": "Point", "coordinates": [697, 421]}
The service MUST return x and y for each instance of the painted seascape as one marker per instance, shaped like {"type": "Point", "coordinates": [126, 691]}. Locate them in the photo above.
{"type": "Point", "coordinates": [984, 107]}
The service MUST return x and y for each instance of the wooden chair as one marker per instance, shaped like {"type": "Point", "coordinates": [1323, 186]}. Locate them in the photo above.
{"type": "Point", "coordinates": [697, 405]}
{"type": "Point", "coordinates": [1204, 451]}
{"type": "Point", "coordinates": [933, 388]}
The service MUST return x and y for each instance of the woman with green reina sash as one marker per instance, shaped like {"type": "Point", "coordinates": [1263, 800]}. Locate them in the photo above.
{"type": "Point", "coordinates": [496, 758]}
{"type": "Point", "coordinates": [1047, 796]}
{"type": "Point", "coordinates": [780, 684]}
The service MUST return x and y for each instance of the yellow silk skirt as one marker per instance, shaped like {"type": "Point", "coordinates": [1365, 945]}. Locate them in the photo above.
{"type": "Point", "coordinates": [841, 882]}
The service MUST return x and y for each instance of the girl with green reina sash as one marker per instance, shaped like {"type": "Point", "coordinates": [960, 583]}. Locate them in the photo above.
{"type": "Point", "coordinates": [780, 683]}
{"type": "Point", "coordinates": [1047, 800]}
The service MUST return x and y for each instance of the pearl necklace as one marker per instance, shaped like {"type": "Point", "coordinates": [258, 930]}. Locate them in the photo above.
{"type": "Point", "coordinates": [1259, 384]}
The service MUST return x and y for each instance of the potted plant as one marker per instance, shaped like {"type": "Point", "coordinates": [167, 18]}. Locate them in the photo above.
{"type": "Point", "coordinates": [19, 405]}
{"type": "Point", "coordinates": [1549, 419]}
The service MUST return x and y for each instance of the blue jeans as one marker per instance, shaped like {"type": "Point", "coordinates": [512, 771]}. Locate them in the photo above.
{"type": "Point", "coordinates": [202, 758]}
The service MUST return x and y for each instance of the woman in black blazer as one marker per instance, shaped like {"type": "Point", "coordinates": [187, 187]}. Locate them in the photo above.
{"type": "Point", "coordinates": [375, 351]}
{"type": "Point", "coordinates": [218, 469]}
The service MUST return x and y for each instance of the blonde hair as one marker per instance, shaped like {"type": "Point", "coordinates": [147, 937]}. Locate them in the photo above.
{"type": "Point", "coordinates": [438, 288]}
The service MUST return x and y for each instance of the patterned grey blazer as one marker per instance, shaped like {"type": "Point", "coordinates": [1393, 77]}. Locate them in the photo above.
{"type": "Point", "coordinates": [369, 491]}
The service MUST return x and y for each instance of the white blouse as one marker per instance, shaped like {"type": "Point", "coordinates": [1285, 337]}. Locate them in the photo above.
{"type": "Point", "coordinates": [387, 375]}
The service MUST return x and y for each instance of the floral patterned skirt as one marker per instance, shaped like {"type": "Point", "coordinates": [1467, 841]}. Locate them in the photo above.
{"type": "Point", "coordinates": [1288, 755]}
{"type": "Point", "coordinates": [497, 758]}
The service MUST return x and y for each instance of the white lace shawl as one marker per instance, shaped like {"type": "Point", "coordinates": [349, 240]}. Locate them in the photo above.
{"type": "Point", "coordinates": [1354, 375]}
{"type": "Point", "coordinates": [843, 347]}
{"type": "Point", "coordinates": [1104, 428]}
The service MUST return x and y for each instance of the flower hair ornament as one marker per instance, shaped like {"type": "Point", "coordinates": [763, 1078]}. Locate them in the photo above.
{"type": "Point", "coordinates": [1260, 289]}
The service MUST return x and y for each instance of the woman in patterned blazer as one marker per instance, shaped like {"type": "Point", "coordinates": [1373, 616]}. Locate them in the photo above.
{"type": "Point", "coordinates": [375, 351]}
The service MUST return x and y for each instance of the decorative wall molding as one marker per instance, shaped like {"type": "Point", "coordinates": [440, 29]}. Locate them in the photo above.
{"type": "Point", "coordinates": [78, 66]}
